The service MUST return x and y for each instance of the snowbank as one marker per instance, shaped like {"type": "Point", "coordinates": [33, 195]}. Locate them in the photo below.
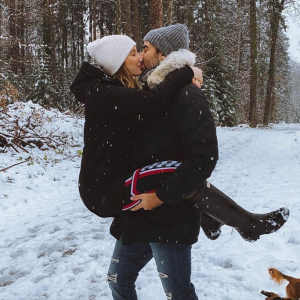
{"type": "Point", "coordinates": [53, 248]}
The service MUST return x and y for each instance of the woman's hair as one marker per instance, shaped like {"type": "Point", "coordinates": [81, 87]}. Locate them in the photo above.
{"type": "Point", "coordinates": [126, 78]}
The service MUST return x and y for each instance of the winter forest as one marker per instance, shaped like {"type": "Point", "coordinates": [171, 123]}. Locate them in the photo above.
{"type": "Point", "coordinates": [241, 45]}
{"type": "Point", "coordinates": [51, 246]}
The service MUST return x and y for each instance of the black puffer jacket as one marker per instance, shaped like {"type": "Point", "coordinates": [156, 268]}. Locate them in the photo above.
{"type": "Point", "coordinates": [110, 111]}
{"type": "Point", "coordinates": [184, 132]}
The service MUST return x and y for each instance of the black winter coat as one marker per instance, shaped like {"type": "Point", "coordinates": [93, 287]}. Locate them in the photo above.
{"type": "Point", "coordinates": [184, 132]}
{"type": "Point", "coordinates": [110, 111]}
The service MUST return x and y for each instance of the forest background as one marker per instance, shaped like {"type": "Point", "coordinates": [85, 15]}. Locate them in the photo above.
{"type": "Point", "coordinates": [241, 45]}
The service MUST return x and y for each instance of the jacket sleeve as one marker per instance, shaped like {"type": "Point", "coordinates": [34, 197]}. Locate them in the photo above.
{"type": "Point", "coordinates": [196, 129]}
{"type": "Point", "coordinates": [119, 100]}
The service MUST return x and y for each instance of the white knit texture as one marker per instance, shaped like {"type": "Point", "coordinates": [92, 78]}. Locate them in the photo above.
{"type": "Point", "coordinates": [110, 52]}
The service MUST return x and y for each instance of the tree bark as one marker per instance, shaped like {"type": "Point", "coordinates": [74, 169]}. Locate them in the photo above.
{"type": "Point", "coordinates": [253, 64]}
{"type": "Point", "coordinates": [156, 13]}
{"type": "Point", "coordinates": [94, 20]}
{"type": "Point", "coordinates": [14, 45]}
{"type": "Point", "coordinates": [73, 52]}
{"type": "Point", "coordinates": [82, 29]}
{"type": "Point", "coordinates": [136, 22]}
{"type": "Point", "coordinates": [52, 38]}
{"type": "Point", "coordinates": [65, 62]}
{"type": "Point", "coordinates": [239, 37]}
{"type": "Point", "coordinates": [46, 28]}
{"type": "Point", "coordinates": [128, 18]}
{"type": "Point", "coordinates": [123, 5]}
{"type": "Point", "coordinates": [21, 25]}
{"type": "Point", "coordinates": [207, 30]}
{"type": "Point", "coordinates": [277, 8]}
{"type": "Point", "coordinates": [170, 11]}
{"type": "Point", "coordinates": [90, 20]}
{"type": "Point", "coordinates": [118, 16]}
{"type": "Point", "coordinates": [1, 20]}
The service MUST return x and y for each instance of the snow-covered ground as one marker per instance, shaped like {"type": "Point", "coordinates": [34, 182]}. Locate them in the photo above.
{"type": "Point", "coordinates": [52, 248]}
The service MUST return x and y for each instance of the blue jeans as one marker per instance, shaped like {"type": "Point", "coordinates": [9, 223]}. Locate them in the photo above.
{"type": "Point", "coordinates": [174, 272]}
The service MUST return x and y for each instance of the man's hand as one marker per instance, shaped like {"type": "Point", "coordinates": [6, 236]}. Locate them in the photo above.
{"type": "Point", "coordinates": [149, 201]}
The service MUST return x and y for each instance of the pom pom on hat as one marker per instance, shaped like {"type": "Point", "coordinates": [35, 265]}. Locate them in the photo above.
{"type": "Point", "coordinates": [110, 52]}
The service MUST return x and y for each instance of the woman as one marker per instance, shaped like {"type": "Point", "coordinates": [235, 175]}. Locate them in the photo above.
{"type": "Point", "coordinates": [113, 98]}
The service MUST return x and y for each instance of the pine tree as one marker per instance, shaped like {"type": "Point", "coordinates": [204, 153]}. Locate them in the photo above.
{"type": "Point", "coordinates": [219, 79]}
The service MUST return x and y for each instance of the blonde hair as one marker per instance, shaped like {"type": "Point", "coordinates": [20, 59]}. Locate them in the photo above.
{"type": "Point", "coordinates": [126, 78]}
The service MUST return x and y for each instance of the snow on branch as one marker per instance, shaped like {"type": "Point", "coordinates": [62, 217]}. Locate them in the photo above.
{"type": "Point", "coordinates": [24, 126]}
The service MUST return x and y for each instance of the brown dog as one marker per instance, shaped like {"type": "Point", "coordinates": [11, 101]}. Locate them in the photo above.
{"type": "Point", "coordinates": [292, 289]}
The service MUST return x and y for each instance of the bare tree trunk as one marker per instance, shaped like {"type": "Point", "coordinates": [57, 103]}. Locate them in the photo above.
{"type": "Point", "coordinates": [94, 20]}
{"type": "Point", "coordinates": [170, 11]}
{"type": "Point", "coordinates": [90, 21]}
{"type": "Point", "coordinates": [128, 18]}
{"type": "Point", "coordinates": [52, 38]}
{"type": "Point", "coordinates": [46, 35]}
{"type": "Point", "coordinates": [253, 64]}
{"type": "Point", "coordinates": [14, 45]}
{"type": "Point", "coordinates": [239, 36]}
{"type": "Point", "coordinates": [206, 32]}
{"type": "Point", "coordinates": [189, 14]}
{"type": "Point", "coordinates": [123, 5]}
{"type": "Point", "coordinates": [1, 20]}
{"type": "Point", "coordinates": [136, 22]}
{"type": "Point", "coordinates": [156, 13]}
{"type": "Point", "coordinates": [73, 52]}
{"type": "Point", "coordinates": [65, 42]}
{"type": "Point", "coordinates": [273, 107]}
{"type": "Point", "coordinates": [82, 31]}
{"type": "Point", "coordinates": [22, 34]}
{"type": "Point", "coordinates": [278, 7]}
{"type": "Point", "coordinates": [118, 16]}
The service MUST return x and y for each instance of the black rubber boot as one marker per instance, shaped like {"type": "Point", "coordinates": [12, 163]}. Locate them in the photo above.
{"type": "Point", "coordinates": [249, 225]}
{"type": "Point", "coordinates": [211, 227]}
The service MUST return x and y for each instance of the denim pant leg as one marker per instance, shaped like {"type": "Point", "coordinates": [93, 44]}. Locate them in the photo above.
{"type": "Point", "coordinates": [124, 268]}
{"type": "Point", "coordinates": [174, 267]}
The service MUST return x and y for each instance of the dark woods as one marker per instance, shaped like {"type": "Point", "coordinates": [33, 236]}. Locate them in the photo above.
{"type": "Point", "coordinates": [240, 45]}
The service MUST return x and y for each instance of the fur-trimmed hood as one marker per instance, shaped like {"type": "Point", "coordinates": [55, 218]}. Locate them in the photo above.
{"type": "Point", "coordinates": [175, 60]}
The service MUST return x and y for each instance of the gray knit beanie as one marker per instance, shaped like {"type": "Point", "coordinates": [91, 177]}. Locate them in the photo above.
{"type": "Point", "coordinates": [168, 39]}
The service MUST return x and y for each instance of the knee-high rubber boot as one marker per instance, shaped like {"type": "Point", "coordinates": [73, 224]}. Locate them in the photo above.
{"type": "Point", "coordinates": [210, 226]}
{"type": "Point", "coordinates": [249, 225]}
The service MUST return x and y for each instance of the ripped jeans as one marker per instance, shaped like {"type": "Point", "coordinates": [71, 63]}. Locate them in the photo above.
{"type": "Point", "coordinates": [173, 265]}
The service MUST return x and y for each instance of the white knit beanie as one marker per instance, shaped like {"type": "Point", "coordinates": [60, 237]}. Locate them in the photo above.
{"type": "Point", "coordinates": [110, 52]}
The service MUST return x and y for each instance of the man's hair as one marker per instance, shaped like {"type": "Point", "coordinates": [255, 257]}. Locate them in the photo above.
{"type": "Point", "coordinates": [126, 78]}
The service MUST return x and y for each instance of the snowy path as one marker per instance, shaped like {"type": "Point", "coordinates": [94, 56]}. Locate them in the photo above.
{"type": "Point", "coordinates": [52, 248]}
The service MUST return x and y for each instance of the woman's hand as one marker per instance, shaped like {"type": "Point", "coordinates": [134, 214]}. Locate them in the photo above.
{"type": "Point", "coordinates": [196, 82]}
{"type": "Point", "coordinates": [149, 201]}
{"type": "Point", "coordinates": [198, 76]}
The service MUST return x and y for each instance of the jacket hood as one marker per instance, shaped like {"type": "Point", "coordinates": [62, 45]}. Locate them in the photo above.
{"type": "Point", "coordinates": [86, 75]}
{"type": "Point", "coordinates": [175, 60]}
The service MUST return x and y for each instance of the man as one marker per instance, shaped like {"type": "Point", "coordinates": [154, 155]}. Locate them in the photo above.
{"type": "Point", "coordinates": [169, 237]}
{"type": "Point", "coordinates": [165, 224]}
